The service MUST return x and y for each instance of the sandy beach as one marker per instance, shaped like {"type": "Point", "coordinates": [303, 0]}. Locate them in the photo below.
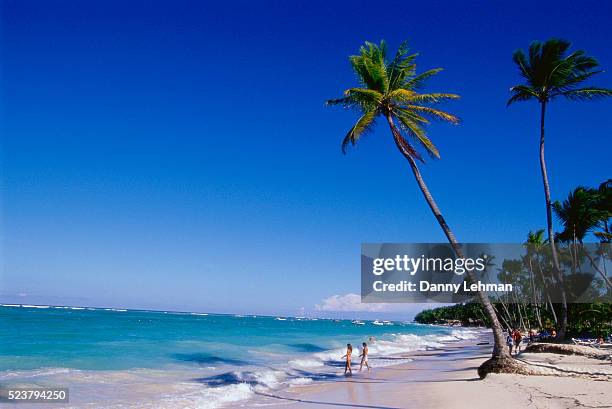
{"type": "Point", "coordinates": [447, 378]}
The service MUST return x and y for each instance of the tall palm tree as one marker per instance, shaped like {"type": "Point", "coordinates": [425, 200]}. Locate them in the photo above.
{"type": "Point", "coordinates": [390, 89]}
{"type": "Point", "coordinates": [550, 73]}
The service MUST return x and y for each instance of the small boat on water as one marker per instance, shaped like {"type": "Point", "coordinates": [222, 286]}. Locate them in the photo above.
{"type": "Point", "coordinates": [357, 322]}
{"type": "Point", "coordinates": [387, 323]}
{"type": "Point", "coordinates": [280, 319]}
{"type": "Point", "coordinates": [376, 322]}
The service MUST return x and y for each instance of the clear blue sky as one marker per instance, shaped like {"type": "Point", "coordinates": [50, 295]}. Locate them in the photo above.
{"type": "Point", "coordinates": [178, 155]}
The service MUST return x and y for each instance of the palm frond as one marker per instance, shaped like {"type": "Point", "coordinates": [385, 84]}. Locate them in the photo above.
{"type": "Point", "coordinates": [522, 93]}
{"type": "Point", "coordinates": [520, 60]}
{"type": "Point", "coordinates": [413, 129]}
{"type": "Point", "coordinates": [401, 67]}
{"type": "Point", "coordinates": [364, 124]}
{"type": "Point", "coordinates": [585, 94]}
{"type": "Point", "coordinates": [404, 96]}
{"type": "Point", "coordinates": [370, 66]}
{"type": "Point", "coordinates": [417, 81]}
{"type": "Point", "coordinates": [435, 113]}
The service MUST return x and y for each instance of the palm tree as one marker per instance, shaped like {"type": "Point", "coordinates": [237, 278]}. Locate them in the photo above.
{"type": "Point", "coordinates": [582, 211]}
{"type": "Point", "coordinates": [578, 214]}
{"type": "Point", "coordinates": [550, 73]}
{"type": "Point", "coordinates": [604, 205]}
{"type": "Point", "coordinates": [390, 89]}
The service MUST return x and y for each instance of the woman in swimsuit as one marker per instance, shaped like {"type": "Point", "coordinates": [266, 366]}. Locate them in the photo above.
{"type": "Point", "coordinates": [347, 365]}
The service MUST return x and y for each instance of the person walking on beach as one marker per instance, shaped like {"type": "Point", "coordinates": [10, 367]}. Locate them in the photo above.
{"type": "Point", "coordinates": [347, 365]}
{"type": "Point", "coordinates": [364, 357]}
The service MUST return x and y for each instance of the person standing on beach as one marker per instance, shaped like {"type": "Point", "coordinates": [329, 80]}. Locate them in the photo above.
{"type": "Point", "coordinates": [509, 341]}
{"type": "Point", "coordinates": [517, 338]}
{"type": "Point", "coordinates": [364, 357]}
{"type": "Point", "coordinates": [347, 365]}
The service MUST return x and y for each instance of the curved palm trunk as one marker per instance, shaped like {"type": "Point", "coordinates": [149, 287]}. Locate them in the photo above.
{"type": "Point", "coordinates": [499, 347]}
{"type": "Point", "coordinates": [549, 226]}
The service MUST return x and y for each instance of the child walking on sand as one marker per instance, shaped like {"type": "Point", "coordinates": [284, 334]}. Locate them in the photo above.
{"type": "Point", "coordinates": [347, 365]}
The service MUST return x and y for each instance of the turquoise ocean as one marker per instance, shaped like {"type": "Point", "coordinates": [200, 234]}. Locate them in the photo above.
{"type": "Point", "coordinates": [115, 358]}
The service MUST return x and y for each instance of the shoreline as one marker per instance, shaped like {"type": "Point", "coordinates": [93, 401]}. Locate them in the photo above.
{"type": "Point", "coordinates": [446, 377]}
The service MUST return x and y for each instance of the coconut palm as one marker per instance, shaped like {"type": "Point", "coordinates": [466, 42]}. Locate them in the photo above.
{"type": "Point", "coordinates": [391, 90]}
{"type": "Point", "coordinates": [549, 72]}
{"type": "Point", "coordinates": [578, 214]}
{"type": "Point", "coordinates": [583, 211]}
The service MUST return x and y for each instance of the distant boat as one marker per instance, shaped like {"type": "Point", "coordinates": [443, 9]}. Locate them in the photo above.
{"type": "Point", "coordinates": [357, 322]}
{"type": "Point", "coordinates": [376, 322]}
{"type": "Point", "coordinates": [387, 323]}
{"type": "Point", "coordinates": [280, 319]}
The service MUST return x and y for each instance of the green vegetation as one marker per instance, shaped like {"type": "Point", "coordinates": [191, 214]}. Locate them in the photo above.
{"type": "Point", "coordinates": [586, 210]}
{"type": "Point", "coordinates": [590, 320]}
{"type": "Point", "coordinates": [550, 73]}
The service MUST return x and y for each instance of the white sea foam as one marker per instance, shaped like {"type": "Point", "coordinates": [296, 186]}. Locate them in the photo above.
{"type": "Point", "coordinates": [306, 363]}
{"type": "Point", "coordinates": [210, 398]}
{"type": "Point", "coordinates": [300, 381]}
{"type": "Point", "coordinates": [35, 306]}
{"type": "Point", "coordinates": [34, 373]}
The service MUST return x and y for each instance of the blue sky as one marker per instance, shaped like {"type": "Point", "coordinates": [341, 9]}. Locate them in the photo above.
{"type": "Point", "coordinates": [178, 155]}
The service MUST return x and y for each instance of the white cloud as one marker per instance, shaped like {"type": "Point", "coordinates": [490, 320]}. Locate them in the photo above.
{"type": "Point", "coordinates": [350, 302]}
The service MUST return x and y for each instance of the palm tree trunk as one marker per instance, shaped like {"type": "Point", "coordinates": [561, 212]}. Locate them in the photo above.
{"type": "Point", "coordinates": [499, 348]}
{"type": "Point", "coordinates": [536, 303]}
{"type": "Point", "coordinates": [549, 226]}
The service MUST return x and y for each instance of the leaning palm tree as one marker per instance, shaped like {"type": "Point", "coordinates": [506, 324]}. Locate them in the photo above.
{"type": "Point", "coordinates": [391, 90]}
{"type": "Point", "coordinates": [550, 73]}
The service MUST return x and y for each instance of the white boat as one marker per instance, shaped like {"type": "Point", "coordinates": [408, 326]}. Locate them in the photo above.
{"type": "Point", "coordinates": [376, 322]}
{"type": "Point", "coordinates": [357, 322]}
{"type": "Point", "coordinates": [280, 319]}
{"type": "Point", "coordinates": [387, 323]}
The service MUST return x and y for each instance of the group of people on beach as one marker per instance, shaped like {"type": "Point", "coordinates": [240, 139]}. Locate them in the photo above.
{"type": "Point", "coordinates": [515, 338]}
{"type": "Point", "coordinates": [363, 355]}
